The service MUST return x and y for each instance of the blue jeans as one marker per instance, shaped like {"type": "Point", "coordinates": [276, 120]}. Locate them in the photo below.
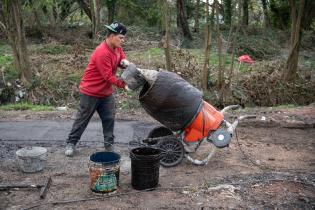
{"type": "Point", "coordinates": [105, 108]}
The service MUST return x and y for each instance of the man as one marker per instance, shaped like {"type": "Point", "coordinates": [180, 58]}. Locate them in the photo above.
{"type": "Point", "coordinates": [96, 87]}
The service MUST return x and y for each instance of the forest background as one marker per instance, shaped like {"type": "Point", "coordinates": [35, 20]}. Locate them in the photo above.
{"type": "Point", "coordinates": [45, 46]}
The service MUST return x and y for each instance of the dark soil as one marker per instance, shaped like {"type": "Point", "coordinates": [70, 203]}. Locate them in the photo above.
{"type": "Point", "coordinates": [270, 165]}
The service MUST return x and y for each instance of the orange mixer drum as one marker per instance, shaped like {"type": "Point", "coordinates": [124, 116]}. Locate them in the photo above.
{"type": "Point", "coordinates": [208, 119]}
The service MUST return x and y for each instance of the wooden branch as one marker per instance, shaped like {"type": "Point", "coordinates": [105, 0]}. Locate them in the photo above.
{"type": "Point", "coordinates": [16, 185]}
{"type": "Point", "coordinates": [3, 26]}
{"type": "Point", "coordinates": [44, 190]}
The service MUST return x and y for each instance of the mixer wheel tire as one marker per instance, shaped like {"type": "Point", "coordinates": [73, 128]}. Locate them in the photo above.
{"type": "Point", "coordinates": [172, 151]}
{"type": "Point", "coordinates": [156, 133]}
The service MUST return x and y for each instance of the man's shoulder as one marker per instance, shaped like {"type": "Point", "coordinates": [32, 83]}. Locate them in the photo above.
{"type": "Point", "coordinates": [101, 50]}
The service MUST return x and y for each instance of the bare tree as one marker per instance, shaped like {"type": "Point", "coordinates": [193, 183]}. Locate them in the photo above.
{"type": "Point", "coordinates": [231, 71]}
{"type": "Point", "coordinates": [95, 8]}
{"type": "Point", "coordinates": [85, 6]}
{"type": "Point", "coordinates": [111, 7]}
{"type": "Point", "coordinates": [196, 26]}
{"type": "Point", "coordinates": [11, 22]}
{"type": "Point", "coordinates": [219, 45]}
{"type": "Point", "coordinates": [205, 70]}
{"type": "Point", "coordinates": [227, 12]}
{"type": "Point", "coordinates": [291, 66]}
{"type": "Point", "coordinates": [266, 13]}
{"type": "Point", "coordinates": [183, 19]}
{"type": "Point", "coordinates": [245, 12]}
{"type": "Point", "coordinates": [166, 44]}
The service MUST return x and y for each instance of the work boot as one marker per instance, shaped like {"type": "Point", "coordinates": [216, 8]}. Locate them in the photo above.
{"type": "Point", "coordinates": [109, 147]}
{"type": "Point", "coordinates": [69, 149]}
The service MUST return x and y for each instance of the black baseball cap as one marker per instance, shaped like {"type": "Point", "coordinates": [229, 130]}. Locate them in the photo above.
{"type": "Point", "coordinates": [117, 27]}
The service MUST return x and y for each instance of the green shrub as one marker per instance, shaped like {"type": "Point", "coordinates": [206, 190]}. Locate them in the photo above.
{"type": "Point", "coordinates": [25, 106]}
{"type": "Point", "coordinates": [9, 71]}
{"type": "Point", "coordinates": [257, 46]}
{"type": "Point", "coordinates": [52, 49]}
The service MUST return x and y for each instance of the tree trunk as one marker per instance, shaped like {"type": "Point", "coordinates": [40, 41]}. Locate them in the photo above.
{"type": "Point", "coordinates": [266, 13]}
{"type": "Point", "coordinates": [245, 12]}
{"type": "Point", "coordinates": [205, 70]}
{"type": "Point", "coordinates": [290, 72]}
{"type": "Point", "coordinates": [166, 44]}
{"type": "Point", "coordinates": [227, 12]}
{"type": "Point", "coordinates": [196, 26]}
{"type": "Point", "coordinates": [183, 19]}
{"type": "Point", "coordinates": [92, 10]}
{"type": "Point", "coordinates": [37, 19]}
{"type": "Point", "coordinates": [111, 7]}
{"type": "Point", "coordinates": [309, 14]}
{"type": "Point", "coordinates": [95, 14]}
{"type": "Point", "coordinates": [11, 22]}
{"type": "Point", "coordinates": [55, 12]}
{"type": "Point", "coordinates": [98, 13]}
{"type": "Point", "coordinates": [85, 7]}
{"type": "Point", "coordinates": [219, 45]}
{"type": "Point", "coordinates": [231, 71]}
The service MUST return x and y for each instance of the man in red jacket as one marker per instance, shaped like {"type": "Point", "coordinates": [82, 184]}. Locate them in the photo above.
{"type": "Point", "coordinates": [96, 93]}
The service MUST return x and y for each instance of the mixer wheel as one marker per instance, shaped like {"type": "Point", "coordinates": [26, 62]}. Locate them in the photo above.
{"type": "Point", "coordinates": [172, 150]}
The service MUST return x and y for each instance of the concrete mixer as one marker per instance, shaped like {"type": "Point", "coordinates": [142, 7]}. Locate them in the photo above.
{"type": "Point", "coordinates": [187, 119]}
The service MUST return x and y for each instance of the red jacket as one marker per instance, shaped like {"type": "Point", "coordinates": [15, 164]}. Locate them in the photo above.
{"type": "Point", "coordinates": [100, 74]}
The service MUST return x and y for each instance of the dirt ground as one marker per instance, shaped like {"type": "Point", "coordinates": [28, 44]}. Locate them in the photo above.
{"type": "Point", "coordinates": [270, 165]}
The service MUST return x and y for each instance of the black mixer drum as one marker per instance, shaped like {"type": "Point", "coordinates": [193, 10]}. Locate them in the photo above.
{"type": "Point", "coordinates": [171, 100]}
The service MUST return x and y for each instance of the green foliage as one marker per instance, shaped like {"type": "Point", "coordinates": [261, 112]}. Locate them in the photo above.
{"type": "Point", "coordinates": [155, 51]}
{"type": "Point", "coordinates": [143, 12]}
{"type": "Point", "coordinates": [6, 60]}
{"type": "Point", "coordinates": [151, 58]}
{"type": "Point", "coordinates": [127, 100]}
{"type": "Point", "coordinates": [9, 71]}
{"type": "Point", "coordinates": [53, 49]}
{"type": "Point", "coordinates": [286, 106]}
{"type": "Point", "coordinates": [263, 86]}
{"type": "Point", "coordinates": [5, 48]}
{"type": "Point", "coordinates": [260, 46]}
{"type": "Point", "coordinates": [25, 106]}
{"type": "Point", "coordinates": [280, 13]}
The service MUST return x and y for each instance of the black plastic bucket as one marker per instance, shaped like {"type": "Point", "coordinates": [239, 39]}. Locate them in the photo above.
{"type": "Point", "coordinates": [104, 170]}
{"type": "Point", "coordinates": [145, 167]}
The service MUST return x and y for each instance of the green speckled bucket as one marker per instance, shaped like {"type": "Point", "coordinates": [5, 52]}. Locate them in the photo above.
{"type": "Point", "coordinates": [104, 168]}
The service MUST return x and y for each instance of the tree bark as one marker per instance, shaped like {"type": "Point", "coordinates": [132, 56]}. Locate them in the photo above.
{"type": "Point", "coordinates": [86, 8]}
{"type": "Point", "coordinates": [196, 25]}
{"type": "Point", "coordinates": [97, 15]}
{"type": "Point", "coordinates": [12, 23]}
{"type": "Point", "coordinates": [183, 19]}
{"type": "Point", "coordinates": [245, 12]}
{"type": "Point", "coordinates": [290, 72]}
{"type": "Point", "coordinates": [111, 7]}
{"type": "Point", "coordinates": [37, 19]}
{"type": "Point", "coordinates": [231, 71]}
{"type": "Point", "coordinates": [205, 69]}
{"type": "Point", "coordinates": [309, 14]}
{"type": "Point", "coordinates": [166, 44]}
{"type": "Point", "coordinates": [92, 10]}
{"type": "Point", "coordinates": [219, 45]}
{"type": "Point", "coordinates": [227, 12]}
{"type": "Point", "coordinates": [266, 13]}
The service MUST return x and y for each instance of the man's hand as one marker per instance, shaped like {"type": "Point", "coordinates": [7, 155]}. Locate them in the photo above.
{"type": "Point", "coordinates": [124, 63]}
